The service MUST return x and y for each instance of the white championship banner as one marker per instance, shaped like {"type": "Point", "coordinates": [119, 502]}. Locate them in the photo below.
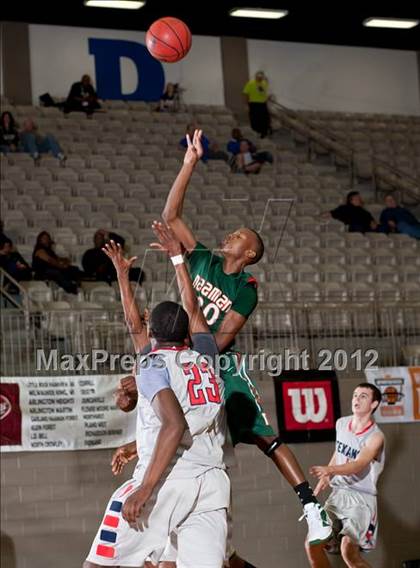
{"type": "Point", "coordinates": [400, 388]}
{"type": "Point", "coordinates": [62, 413]}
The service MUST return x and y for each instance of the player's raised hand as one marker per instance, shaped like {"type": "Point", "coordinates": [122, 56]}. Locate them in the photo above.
{"type": "Point", "coordinates": [122, 456]}
{"type": "Point", "coordinates": [126, 395]}
{"type": "Point", "coordinates": [194, 151]}
{"type": "Point", "coordinates": [167, 239]}
{"type": "Point", "coordinates": [114, 251]}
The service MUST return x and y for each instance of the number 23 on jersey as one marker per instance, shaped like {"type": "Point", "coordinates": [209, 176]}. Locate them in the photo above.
{"type": "Point", "coordinates": [202, 386]}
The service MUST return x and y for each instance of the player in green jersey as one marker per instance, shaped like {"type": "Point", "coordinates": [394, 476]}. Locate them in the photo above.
{"type": "Point", "coordinates": [228, 296]}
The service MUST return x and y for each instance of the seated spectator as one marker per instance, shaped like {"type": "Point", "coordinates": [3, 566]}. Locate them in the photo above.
{"type": "Point", "coordinates": [99, 267]}
{"type": "Point", "coordinates": [233, 147]}
{"type": "Point", "coordinates": [397, 219]}
{"type": "Point", "coordinates": [47, 265]}
{"type": "Point", "coordinates": [82, 97]}
{"type": "Point", "coordinates": [354, 215]}
{"type": "Point", "coordinates": [169, 98]}
{"type": "Point", "coordinates": [36, 144]}
{"type": "Point", "coordinates": [9, 136]}
{"type": "Point", "coordinates": [13, 262]}
{"type": "Point", "coordinates": [211, 151]}
{"type": "Point", "coordinates": [244, 161]}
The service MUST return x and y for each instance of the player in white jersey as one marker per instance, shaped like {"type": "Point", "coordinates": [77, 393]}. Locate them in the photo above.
{"type": "Point", "coordinates": [352, 474]}
{"type": "Point", "coordinates": [179, 483]}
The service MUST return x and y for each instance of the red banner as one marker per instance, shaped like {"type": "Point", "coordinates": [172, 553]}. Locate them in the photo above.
{"type": "Point", "coordinates": [308, 405]}
{"type": "Point", "coordinates": [10, 415]}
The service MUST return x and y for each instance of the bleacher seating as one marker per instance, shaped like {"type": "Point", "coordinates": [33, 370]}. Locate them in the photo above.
{"type": "Point", "coordinates": [392, 139]}
{"type": "Point", "coordinates": [119, 169]}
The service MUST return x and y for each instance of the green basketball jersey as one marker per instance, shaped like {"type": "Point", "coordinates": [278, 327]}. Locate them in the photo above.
{"type": "Point", "coordinates": [219, 292]}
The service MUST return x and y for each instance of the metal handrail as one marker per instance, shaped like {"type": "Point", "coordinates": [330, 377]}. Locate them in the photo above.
{"type": "Point", "coordinates": [5, 275]}
{"type": "Point", "coordinates": [28, 303]}
{"type": "Point", "coordinates": [377, 162]}
{"type": "Point", "coordinates": [274, 328]}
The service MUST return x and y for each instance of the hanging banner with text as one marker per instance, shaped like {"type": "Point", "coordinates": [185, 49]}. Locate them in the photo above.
{"type": "Point", "coordinates": [400, 388]}
{"type": "Point", "coordinates": [62, 413]}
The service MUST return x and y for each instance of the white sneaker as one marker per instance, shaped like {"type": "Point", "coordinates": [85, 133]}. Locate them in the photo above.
{"type": "Point", "coordinates": [319, 524]}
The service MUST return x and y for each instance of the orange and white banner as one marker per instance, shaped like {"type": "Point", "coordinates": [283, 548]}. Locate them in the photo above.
{"type": "Point", "coordinates": [62, 413]}
{"type": "Point", "coordinates": [400, 388]}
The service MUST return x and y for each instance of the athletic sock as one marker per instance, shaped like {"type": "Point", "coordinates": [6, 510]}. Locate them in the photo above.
{"type": "Point", "coordinates": [305, 493]}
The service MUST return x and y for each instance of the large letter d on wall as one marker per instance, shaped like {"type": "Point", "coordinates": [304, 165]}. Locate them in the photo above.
{"type": "Point", "coordinates": [107, 53]}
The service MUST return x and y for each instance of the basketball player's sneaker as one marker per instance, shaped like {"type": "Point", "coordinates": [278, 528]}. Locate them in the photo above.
{"type": "Point", "coordinates": [319, 523]}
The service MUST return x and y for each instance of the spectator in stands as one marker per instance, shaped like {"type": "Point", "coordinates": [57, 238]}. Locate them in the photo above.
{"type": "Point", "coordinates": [95, 262]}
{"type": "Point", "coordinates": [13, 262]}
{"type": "Point", "coordinates": [233, 147]}
{"type": "Point", "coordinates": [397, 219]}
{"type": "Point", "coordinates": [244, 161]}
{"type": "Point", "coordinates": [256, 96]}
{"type": "Point", "coordinates": [82, 97]}
{"type": "Point", "coordinates": [9, 136]}
{"type": "Point", "coordinates": [169, 98]}
{"type": "Point", "coordinates": [211, 151]}
{"type": "Point", "coordinates": [36, 144]}
{"type": "Point", "coordinates": [47, 265]}
{"type": "Point", "coordinates": [354, 215]}
{"type": "Point", "coordinates": [98, 266]}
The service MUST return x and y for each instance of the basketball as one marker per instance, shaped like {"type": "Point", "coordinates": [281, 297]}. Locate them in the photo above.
{"type": "Point", "coordinates": [168, 40]}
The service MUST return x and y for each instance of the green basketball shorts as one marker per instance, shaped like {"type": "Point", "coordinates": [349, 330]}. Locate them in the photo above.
{"type": "Point", "coordinates": [245, 415]}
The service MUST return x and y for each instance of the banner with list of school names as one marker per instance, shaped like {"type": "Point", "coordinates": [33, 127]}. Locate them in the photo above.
{"type": "Point", "coordinates": [62, 413]}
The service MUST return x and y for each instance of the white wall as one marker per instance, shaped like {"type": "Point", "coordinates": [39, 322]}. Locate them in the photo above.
{"type": "Point", "coordinates": [310, 76]}
{"type": "Point", "coordinates": [60, 55]}
{"type": "Point", "coordinates": [326, 77]}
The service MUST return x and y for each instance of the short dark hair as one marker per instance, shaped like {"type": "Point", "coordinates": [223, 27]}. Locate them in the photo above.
{"type": "Point", "coordinates": [350, 196]}
{"type": "Point", "coordinates": [259, 252]}
{"type": "Point", "coordinates": [376, 393]}
{"type": "Point", "coordinates": [169, 322]}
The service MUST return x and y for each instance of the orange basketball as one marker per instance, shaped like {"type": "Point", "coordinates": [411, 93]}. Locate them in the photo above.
{"type": "Point", "coordinates": [168, 40]}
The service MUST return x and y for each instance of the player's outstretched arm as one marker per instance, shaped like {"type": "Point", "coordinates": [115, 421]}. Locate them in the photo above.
{"type": "Point", "coordinates": [172, 213]}
{"type": "Point", "coordinates": [169, 243]}
{"type": "Point", "coordinates": [132, 315]}
{"type": "Point", "coordinates": [367, 455]}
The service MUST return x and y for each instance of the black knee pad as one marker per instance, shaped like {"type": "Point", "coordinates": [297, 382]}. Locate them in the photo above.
{"type": "Point", "coordinates": [273, 446]}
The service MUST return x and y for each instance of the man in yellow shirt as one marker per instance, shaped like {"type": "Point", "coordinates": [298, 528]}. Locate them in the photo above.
{"type": "Point", "coordinates": [256, 94]}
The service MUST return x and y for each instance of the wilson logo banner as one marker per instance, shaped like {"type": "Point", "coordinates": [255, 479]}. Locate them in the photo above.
{"type": "Point", "coordinates": [307, 405]}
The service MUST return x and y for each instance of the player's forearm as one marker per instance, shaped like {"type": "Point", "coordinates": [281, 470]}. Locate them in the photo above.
{"type": "Point", "coordinates": [332, 460]}
{"type": "Point", "coordinates": [175, 201]}
{"type": "Point", "coordinates": [350, 468]}
{"type": "Point", "coordinates": [168, 440]}
{"type": "Point", "coordinates": [132, 314]}
{"type": "Point", "coordinates": [190, 303]}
